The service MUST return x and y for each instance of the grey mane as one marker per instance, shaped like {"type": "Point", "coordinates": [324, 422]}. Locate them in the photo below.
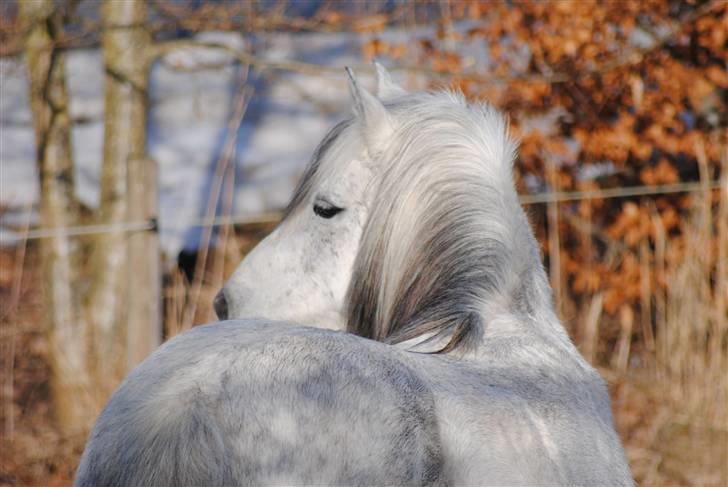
{"type": "Point", "coordinates": [446, 239]}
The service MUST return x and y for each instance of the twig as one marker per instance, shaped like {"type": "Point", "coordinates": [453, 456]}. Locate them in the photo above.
{"type": "Point", "coordinates": [591, 327]}
{"type": "Point", "coordinates": [8, 392]}
{"type": "Point", "coordinates": [218, 265]}
{"type": "Point", "coordinates": [631, 57]}
{"type": "Point", "coordinates": [317, 69]}
{"type": "Point", "coordinates": [553, 234]}
{"type": "Point", "coordinates": [620, 357]}
{"type": "Point", "coordinates": [721, 285]}
{"type": "Point", "coordinates": [241, 104]}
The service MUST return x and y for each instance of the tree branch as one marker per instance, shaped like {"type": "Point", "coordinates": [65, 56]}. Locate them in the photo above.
{"type": "Point", "coordinates": [631, 57]}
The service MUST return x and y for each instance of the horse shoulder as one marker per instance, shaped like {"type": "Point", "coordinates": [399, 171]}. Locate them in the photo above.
{"type": "Point", "coordinates": [506, 422]}
{"type": "Point", "coordinates": [233, 403]}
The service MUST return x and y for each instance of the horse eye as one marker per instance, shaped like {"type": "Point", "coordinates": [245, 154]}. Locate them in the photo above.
{"type": "Point", "coordinates": [326, 210]}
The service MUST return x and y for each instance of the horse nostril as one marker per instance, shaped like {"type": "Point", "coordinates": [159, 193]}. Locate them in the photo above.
{"type": "Point", "coordinates": [221, 306]}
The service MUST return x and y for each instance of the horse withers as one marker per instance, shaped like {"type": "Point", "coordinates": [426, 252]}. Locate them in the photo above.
{"type": "Point", "coordinates": [397, 327]}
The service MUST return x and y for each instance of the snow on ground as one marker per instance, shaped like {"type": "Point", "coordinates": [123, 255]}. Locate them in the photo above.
{"type": "Point", "coordinates": [188, 115]}
{"type": "Point", "coordinates": [190, 103]}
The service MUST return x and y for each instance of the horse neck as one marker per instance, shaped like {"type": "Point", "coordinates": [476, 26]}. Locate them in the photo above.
{"type": "Point", "coordinates": [447, 251]}
{"type": "Point", "coordinates": [520, 307]}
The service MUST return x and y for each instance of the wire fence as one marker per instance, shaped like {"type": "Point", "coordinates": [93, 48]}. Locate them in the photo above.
{"type": "Point", "coordinates": [274, 216]}
{"type": "Point", "coordinates": [634, 55]}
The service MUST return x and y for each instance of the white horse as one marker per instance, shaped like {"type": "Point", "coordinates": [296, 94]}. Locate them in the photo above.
{"type": "Point", "coordinates": [406, 231]}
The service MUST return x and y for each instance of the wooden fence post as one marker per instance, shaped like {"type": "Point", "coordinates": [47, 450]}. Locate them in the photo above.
{"type": "Point", "coordinates": [144, 320]}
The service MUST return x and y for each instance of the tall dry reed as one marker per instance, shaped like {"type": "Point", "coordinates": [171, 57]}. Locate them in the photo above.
{"type": "Point", "coordinates": [692, 333]}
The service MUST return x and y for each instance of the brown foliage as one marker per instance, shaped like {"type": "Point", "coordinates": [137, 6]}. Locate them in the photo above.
{"type": "Point", "coordinates": [645, 117]}
{"type": "Point", "coordinates": [637, 87]}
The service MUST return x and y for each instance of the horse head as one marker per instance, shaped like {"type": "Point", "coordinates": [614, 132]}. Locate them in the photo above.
{"type": "Point", "coordinates": [405, 226]}
{"type": "Point", "coordinates": [302, 270]}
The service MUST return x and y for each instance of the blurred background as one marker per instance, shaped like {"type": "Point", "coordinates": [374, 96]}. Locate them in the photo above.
{"type": "Point", "coordinates": [145, 147]}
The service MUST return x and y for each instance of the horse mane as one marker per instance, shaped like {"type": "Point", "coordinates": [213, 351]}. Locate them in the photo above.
{"type": "Point", "coordinates": [446, 242]}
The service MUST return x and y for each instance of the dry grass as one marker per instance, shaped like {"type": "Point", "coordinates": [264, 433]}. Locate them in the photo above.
{"type": "Point", "coordinates": [665, 362]}
{"type": "Point", "coordinates": [187, 304]}
{"type": "Point", "coordinates": [671, 405]}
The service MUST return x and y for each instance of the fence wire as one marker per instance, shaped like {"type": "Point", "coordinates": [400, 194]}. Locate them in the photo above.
{"type": "Point", "coordinates": [272, 217]}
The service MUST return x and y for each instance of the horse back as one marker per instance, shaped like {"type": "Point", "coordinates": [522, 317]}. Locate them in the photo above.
{"type": "Point", "coordinates": [254, 403]}
{"type": "Point", "coordinates": [545, 420]}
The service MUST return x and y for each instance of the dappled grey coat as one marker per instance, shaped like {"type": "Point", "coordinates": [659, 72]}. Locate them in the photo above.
{"type": "Point", "coordinates": [406, 231]}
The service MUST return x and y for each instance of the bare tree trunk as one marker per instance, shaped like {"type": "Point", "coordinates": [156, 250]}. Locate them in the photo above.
{"type": "Point", "coordinates": [121, 275]}
{"type": "Point", "coordinates": [70, 381]}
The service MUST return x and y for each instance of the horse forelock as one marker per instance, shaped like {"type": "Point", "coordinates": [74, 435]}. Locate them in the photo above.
{"type": "Point", "coordinates": [445, 231]}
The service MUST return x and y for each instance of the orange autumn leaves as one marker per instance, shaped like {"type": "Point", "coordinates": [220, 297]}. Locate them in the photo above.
{"type": "Point", "coordinates": [635, 88]}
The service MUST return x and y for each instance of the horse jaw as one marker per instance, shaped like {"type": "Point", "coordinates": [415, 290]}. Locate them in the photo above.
{"type": "Point", "coordinates": [279, 281]}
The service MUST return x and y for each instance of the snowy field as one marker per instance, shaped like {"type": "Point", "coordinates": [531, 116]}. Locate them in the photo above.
{"type": "Point", "coordinates": [191, 100]}
{"type": "Point", "coordinates": [188, 113]}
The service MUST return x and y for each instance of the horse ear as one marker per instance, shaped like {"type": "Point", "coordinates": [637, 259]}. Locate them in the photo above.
{"type": "Point", "coordinates": [376, 122]}
{"type": "Point", "coordinates": [387, 89]}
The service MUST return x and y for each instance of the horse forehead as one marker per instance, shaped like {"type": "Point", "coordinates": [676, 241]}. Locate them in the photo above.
{"type": "Point", "coordinates": [348, 178]}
